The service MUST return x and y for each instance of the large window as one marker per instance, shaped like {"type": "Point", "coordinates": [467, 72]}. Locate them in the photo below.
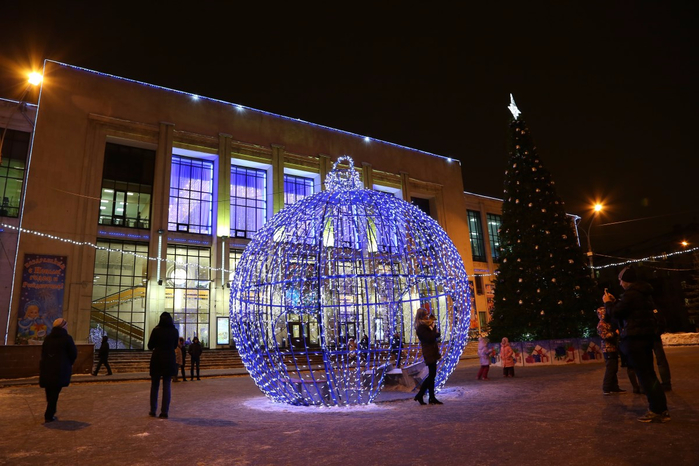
{"type": "Point", "coordinates": [119, 293]}
{"type": "Point", "coordinates": [248, 201]}
{"type": "Point", "coordinates": [127, 181]}
{"type": "Point", "coordinates": [191, 195]}
{"type": "Point", "coordinates": [234, 256]}
{"type": "Point", "coordinates": [14, 161]}
{"type": "Point", "coordinates": [296, 188]}
{"type": "Point", "coordinates": [187, 290]}
{"type": "Point", "coordinates": [494, 222]}
{"type": "Point", "coordinates": [476, 229]}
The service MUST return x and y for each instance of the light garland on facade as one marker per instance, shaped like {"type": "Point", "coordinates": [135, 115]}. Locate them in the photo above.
{"type": "Point", "coordinates": [241, 108]}
{"type": "Point", "coordinates": [344, 263]}
{"type": "Point", "coordinates": [119, 251]}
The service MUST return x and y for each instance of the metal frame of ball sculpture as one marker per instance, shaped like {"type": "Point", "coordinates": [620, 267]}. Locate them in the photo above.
{"type": "Point", "coordinates": [324, 290]}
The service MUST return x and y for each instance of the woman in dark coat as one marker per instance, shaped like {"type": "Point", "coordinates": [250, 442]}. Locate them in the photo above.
{"type": "Point", "coordinates": [58, 353]}
{"type": "Point", "coordinates": [163, 341]}
{"type": "Point", "coordinates": [428, 334]}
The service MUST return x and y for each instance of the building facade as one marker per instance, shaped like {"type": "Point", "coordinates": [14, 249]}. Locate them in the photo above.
{"type": "Point", "coordinates": [137, 199]}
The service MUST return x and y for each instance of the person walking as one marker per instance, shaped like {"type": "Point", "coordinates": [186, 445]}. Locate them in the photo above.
{"type": "Point", "coordinates": [195, 354]}
{"type": "Point", "coordinates": [58, 353]}
{"type": "Point", "coordinates": [484, 355]}
{"type": "Point", "coordinates": [507, 356]}
{"type": "Point", "coordinates": [634, 311]}
{"type": "Point", "coordinates": [396, 347]}
{"type": "Point", "coordinates": [103, 355]}
{"type": "Point", "coordinates": [428, 334]}
{"type": "Point", "coordinates": [163, 341]}
{"type": "Point", "coordinates": [183, 351]}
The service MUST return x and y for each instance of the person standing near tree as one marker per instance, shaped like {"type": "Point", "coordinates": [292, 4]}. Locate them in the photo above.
{"type": "Point", "coordinates": [58, 353]}
{"type": "Point", "coordinates": [103, 355]}
{"type": "Point", "coordinates": [634, 312]}
{"type": "Point", "coordinates": [507, 356]}
{"type": "Point", "coordinates": [484, 356]}
{"type": "Point", "coordinates": [163, 365]}
{"type": "Point", "coordinates": [195, 354]}
{"type": "Point", "coordinates": [610, 339]}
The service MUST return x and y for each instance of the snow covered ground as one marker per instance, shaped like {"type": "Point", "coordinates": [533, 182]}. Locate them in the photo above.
{"type": "Point", "coordinates": [679, 339]}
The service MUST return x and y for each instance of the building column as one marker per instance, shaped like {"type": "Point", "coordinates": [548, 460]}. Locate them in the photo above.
{"type": "Point", "coordinates": [405, 186]}
{"type": "Point", "coordinates": [325, 166]}
{"type": "Point", "coordinates": [158, 227]}
{"type": "Point", "coordinates": [223, 214]}
{"type": "Point", "coordinates": [367, 175]}
{"type": "Point", "coordinates": [278, 177]}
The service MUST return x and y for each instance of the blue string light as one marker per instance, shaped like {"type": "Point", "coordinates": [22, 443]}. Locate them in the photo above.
{"type": "Point", "coordinates": [332, 268]}
{"type": "Point", "coordinates": [242, 108]}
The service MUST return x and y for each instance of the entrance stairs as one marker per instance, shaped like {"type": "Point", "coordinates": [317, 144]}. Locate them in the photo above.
{"type": "Point", "coordinates": [139, 361]}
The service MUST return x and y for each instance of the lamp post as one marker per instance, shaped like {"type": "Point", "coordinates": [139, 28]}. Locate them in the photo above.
{"type": "Point", "coordinates": [33, 80]}
{"type": "Point", "coordinates": [596, 209]}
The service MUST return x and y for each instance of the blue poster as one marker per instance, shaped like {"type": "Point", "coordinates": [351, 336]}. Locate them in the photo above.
{"type": "Point", "coordinates": [41, 299]}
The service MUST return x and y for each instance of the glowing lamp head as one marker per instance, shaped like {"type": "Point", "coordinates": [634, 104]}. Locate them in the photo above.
{"type": "Point", "coordinates": [35, 78]}
{"type": "Point", "coordinates": [598, 207]}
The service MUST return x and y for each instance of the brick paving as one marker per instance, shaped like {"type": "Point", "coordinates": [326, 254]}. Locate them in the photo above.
{"type": "Point", "coordinates": [545, 415]}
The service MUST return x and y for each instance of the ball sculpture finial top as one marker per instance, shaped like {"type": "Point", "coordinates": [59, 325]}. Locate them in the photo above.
{"type": "Point", "coordinates": [343, 178]}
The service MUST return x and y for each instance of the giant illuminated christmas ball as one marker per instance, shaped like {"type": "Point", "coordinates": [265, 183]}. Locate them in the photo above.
{"type": "Point", "coordinates": [323, 298]}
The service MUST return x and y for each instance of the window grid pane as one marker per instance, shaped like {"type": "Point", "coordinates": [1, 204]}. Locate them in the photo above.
{"type": "Point", "coordinates": [296, 188]}
{"type": "Point", "coordinates": [119, 293]}
{"type": "Point", "coordinates": [191, 194]}
{"type": "Point", "coordinates": [14, 158]}
{"type": "Point", "coordinates": [187, 290]}
{"type": "Point", "coordinates": [248, 201]}
{"type": "Point", "coordinates": [476, 231]}
{"type": "Point", "coordinates": [494, 223]}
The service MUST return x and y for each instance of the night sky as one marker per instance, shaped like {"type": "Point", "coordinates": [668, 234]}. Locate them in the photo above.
{"type": "Point", "coordinates": [608, 89]}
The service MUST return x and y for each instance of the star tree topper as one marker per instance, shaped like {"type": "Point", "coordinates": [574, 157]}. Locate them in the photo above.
{"type": "Point", "coordinates": [513, 107]}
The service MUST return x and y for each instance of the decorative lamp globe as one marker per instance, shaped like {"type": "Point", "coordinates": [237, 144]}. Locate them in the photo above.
{"type": "Point", "coordinates": [323, 298]}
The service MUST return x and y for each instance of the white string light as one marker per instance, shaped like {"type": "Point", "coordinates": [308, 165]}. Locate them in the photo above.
{"type": "Point", "coordinates": [663, 256]}
{"type": "Point", "coordinates": [119, 251]}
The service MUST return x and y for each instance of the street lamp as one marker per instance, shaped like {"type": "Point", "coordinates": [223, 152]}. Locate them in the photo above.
{"type": "Point", "coordinates": [597, 208]}
{"type": "Point", "coordinates": [34, 79]}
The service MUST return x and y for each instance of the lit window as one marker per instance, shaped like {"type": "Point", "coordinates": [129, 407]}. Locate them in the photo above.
{"type": "Point", "coordinates": [127, 180]}
{"type": "Point", "coordinates": [14, 158]}
{"type": "Point", "coordinates": [494, 223]}
{"type": "Point", "coordinates": [476, 230]}
{"type": "Point", "coordinates": [248, 201]}
{"type": "Point", "coordinates": [191, 195]}
{"type": "Point", "coordinates": [296, 188]}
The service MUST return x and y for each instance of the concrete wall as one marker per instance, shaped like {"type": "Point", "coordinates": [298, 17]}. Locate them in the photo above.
{"type": "Point", "coordinates": [19, 361]}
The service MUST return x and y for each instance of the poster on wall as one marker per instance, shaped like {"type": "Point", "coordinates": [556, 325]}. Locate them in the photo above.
{"type": "Point", "coordinates": [223, 330]}
{"type": "Point", "coordinates": [41, 298]}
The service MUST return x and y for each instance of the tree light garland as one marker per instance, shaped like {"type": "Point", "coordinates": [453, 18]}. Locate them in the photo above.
{"type": "Point", "coordinates": [337, 266]}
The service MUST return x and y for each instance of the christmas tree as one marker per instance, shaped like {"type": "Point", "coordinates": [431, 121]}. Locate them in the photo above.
{"type": "Point", "coordinates": [543, 289]}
